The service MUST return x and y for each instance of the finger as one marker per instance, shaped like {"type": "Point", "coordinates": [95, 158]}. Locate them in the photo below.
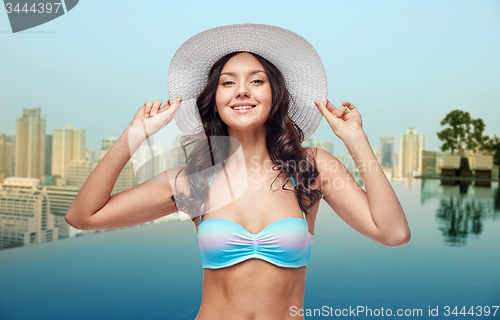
{"type": "Point", "coordinates": [330, 118]}
{"type": "Point", "coordinates": [165, 106]}
{"type": "Point", "coordinates": [154, 124]}
{"type": "Point", "coordinates": [347, 116]}
{"type": "Point", "coordinates": [323, 109]}
{"type": "Point", "coordinates": [168, 114]}
{"type": "Point", "coordinates": [147, 108]}
{"type": "Point", "coordinates": [331, 107]}
{"type": "Point", "coordinates": [155, 107]}
{"type": "Point", "coordinates": [350, 106]}
{"type": "Point", "coordinates": [341, 111]}
{"type": "Point", "coordinates": [173, 106]}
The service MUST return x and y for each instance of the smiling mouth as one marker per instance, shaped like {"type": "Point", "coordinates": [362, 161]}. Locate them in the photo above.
{"type": "Point", "coordinates": [243, 107]}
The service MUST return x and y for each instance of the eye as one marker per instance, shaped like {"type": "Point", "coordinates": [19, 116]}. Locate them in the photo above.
{"type": "Point", "coordinates": [258, 81]}
{"type": "Point", "coordinates": [227, 83]}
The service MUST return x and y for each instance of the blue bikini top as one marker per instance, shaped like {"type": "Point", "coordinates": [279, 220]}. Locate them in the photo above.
{"type": "Point", "coordinates": [284, 243]}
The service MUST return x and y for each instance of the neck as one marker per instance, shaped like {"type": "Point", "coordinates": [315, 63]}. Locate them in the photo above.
{"type": "Point", "coordinates": [253, 144]}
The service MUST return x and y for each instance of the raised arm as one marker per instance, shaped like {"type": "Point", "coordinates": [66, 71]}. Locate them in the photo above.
{"type": "Point", "coordinates": [95, 209]}
{"type": "Point", "coordinates": [376, 213]}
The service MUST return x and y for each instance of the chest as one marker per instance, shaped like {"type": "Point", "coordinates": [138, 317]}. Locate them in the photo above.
{"type": "Point", "coordinates": [255, 202]}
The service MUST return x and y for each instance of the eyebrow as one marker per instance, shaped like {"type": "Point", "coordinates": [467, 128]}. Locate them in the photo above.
{"type": "Point", "coordinates": [234, 75]}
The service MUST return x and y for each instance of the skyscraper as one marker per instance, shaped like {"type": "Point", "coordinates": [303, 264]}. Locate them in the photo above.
{"type": "Point", "coordinates": [78, 171]}
{"type": "Point", "coordinates": [48, 155]}
{"type": "Point", "coordinates": [67, 144]}
{"type": "Point", "coordinates": [386, 151]}
{"type": "Point", "coordinates": [7, 152]}
{"type": "Point", "coordinates": [79, 144]}
{"type": "Point", "coordinates": [106, 145]}
{"type": "Point", "coordinates": [30, 144]}
{"type": "Point", "coordinates": [411, 145]}
{"type": "Point", "coordinates": [25, 216]}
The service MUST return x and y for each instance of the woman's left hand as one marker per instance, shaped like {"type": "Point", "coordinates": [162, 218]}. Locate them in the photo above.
{"type": "Point", "coordinates": [343, 120]}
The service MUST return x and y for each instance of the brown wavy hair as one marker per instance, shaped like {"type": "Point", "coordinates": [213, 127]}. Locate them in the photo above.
{"type": "Point", "coordinates": [283, 139]}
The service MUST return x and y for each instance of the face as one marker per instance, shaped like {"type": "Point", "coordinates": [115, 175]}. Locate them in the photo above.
{"type": "Point", "coordinates": [243, 82]}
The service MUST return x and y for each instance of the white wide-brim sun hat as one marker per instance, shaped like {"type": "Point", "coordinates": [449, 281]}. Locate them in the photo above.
{"type": "Point", "coordinates": [296, 58]}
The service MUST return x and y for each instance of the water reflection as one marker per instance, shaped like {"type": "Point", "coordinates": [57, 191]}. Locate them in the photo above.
{"type": "Point", "coordinates": [463, 208]}
{"type": "Point", "coordinates": [458, 220]}
{"type": "Point", "coordinates": [497, 200]}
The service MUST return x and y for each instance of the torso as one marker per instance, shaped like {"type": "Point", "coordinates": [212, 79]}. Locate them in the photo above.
{"type": "Point", "coordinates": [254, 288]}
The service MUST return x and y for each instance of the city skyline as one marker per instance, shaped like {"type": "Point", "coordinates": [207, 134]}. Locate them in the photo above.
{"type": "Point", "coordinates": [78, 155]}
{"type": "Point", "coordinates": [95, 145]}
{"type": "Point", "coordinates": [376, 142]}
{"type": "Point", "coordinates": [67, 149]}
{"type": "Point", "coordinates": [440, 57]}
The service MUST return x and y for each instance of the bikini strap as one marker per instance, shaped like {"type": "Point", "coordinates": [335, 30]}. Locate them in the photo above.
{"type": "Point", "coordinates": [293, 180]}
{"type": "Point", "coordinates": [209, 183]}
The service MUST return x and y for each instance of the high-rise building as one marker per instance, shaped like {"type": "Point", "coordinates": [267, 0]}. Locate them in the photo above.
{"type": "Point", "coordinates": [79, 144]}
{"type": "Point", "coordinates": [60, 199]}
{"type": "Point", "coordinates": [127, 178]}
{"type": "Point", "coordinates": [149, 161]}
{"type": "Point", "coordinates": [79, 170]}
{"type": "Point", "coordinates": [7, 155]}
{"type": "Point", "coordinates": [106, 145]}
{"type": "Point", "coordinates": [386, 149]}
{"type": "Point", "coordinates": [25, 216]}
{"type": "Point", "coordinates": [91, 155]}
{"type": "Point", "coordinates": [48, 155]}
{"type": "Point", "coordinates": [411, 145]}
{"type": "Point", "coordinates": [67, 144]}
{"type": "Point", "coordinates": [30, 144]}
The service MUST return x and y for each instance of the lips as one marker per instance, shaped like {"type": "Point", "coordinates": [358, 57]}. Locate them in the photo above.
{"type": "Point", "coordinates": [253, 106]}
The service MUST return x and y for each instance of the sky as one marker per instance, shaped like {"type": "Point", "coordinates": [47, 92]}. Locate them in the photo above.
{"type": "Point", "coordinates": [402, 63]}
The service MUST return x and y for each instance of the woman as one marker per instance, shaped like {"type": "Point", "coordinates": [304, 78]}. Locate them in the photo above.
{"type": "Point", "coordinates": [254, 241]}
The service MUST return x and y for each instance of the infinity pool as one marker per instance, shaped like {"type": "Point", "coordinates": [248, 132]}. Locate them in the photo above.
{"type": "Point", "coordinates": [154, 271]}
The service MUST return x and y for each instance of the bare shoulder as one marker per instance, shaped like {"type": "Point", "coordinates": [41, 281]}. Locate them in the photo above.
{"type": "Point", "coordinates": [324, 160]}
{"type": "Point", "coordinates": [318, 157]}
{"type": "Point", "coordinates": [329, 167]}
{"type": "Point", "coordinates": [320, 153]}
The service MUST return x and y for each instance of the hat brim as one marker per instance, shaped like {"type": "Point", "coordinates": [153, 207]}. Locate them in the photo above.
{"type": "Point", "coordinates": [294, 56]}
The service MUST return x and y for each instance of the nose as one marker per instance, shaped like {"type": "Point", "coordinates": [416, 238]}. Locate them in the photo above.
{"type": "Point", "coordinates": [242, 90]}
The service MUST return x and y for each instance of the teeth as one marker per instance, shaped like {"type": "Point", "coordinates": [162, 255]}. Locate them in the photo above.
{"type": "Point", "coordinates": [242, 107]}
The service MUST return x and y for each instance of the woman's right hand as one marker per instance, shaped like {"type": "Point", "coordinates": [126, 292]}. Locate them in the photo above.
{"type": "Point", "coordinates": [150, 118]}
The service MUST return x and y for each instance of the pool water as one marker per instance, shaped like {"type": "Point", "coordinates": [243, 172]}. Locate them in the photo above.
{"type": "Point", "coordinates": [154, 271]}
